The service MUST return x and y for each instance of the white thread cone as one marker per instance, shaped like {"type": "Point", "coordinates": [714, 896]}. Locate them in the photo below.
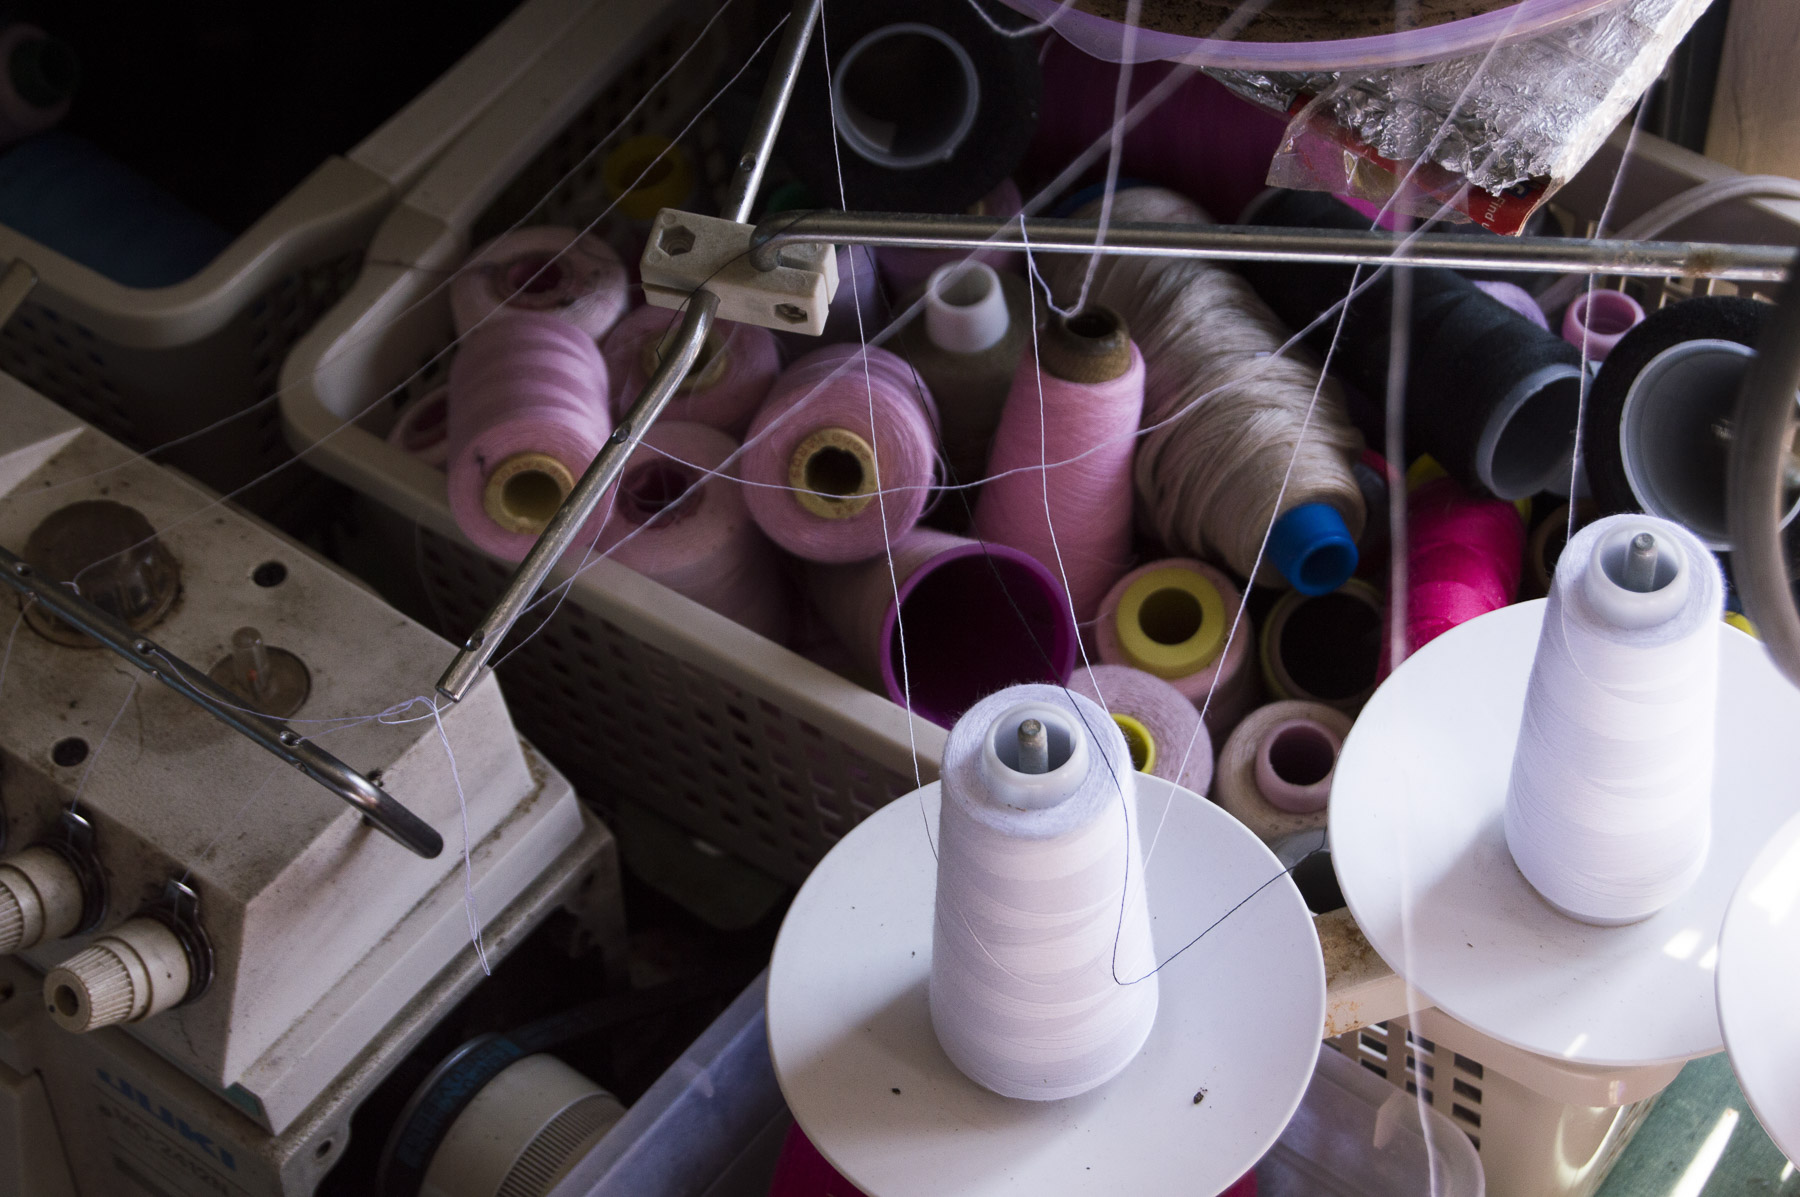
{"type": "Point", "coordinates": [1042, 982]}
{"type": "Point", "coordinates": [1609, 808]}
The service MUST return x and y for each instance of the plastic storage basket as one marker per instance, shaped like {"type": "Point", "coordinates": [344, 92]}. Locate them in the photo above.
{"type": "Point", "coordinates": [637, 691]}
{"type": "Point", "coordinates": [632, 689]}
{"type": "Point", "coordinates": [1543, 1127]}
{"type": "Point", "coordinates": [148, 366]}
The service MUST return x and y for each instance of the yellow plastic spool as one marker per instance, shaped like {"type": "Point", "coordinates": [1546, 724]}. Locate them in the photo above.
{"type": "Point", "coordinates": [646, 174]}
{"type": "Point", "coordinates": [1139, 741]}
{"type": "Point", "coordinates": [1171, 623]}
{"type": "Point", "coordinates": [1740, 623]}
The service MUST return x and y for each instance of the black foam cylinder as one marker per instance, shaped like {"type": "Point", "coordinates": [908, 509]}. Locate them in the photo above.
{"type": "Point", "coordinates": [1489, 394]}
{"type": "Point", "coordinates": [933, 108]}
{"type": "Point", "coordinates": [1658, 429]}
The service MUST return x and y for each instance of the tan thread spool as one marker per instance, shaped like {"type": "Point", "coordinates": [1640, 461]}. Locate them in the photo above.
{"type": "Point", "coordinates": [832, 472]}
{"type": "Point", "coordinates": [1277, 669]}
{"type": "Point", "coordinates": [1540, 566]}
{"type": "Point", "coordinates": [524, 491]}
{"type": "Point", "coordinates": [1091, 346]}
{"type": "Point", "coordinates": [1234, 781]}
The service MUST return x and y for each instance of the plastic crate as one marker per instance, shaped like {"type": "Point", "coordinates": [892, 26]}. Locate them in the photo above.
{"type": "Point", "coordinates": [1543, 1127]}
{"type": "Point", "coordinates": [148, 366]}
{"type": "Point", "coordinates": [711, 1125]}
{"type": "Point", "coordinates": [633, 690]}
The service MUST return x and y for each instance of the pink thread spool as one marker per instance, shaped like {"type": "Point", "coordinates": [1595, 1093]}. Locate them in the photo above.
{"type": "Point", "coordinates": [1275, 774]}
{"type": "Point", "coordinates": [1515, 297]}
{"type": "Point", "coordinates": [1203, 140]}
{"type": "Point", "coordinates": [1603, 317]}
{"type": "Point", "coordinates": [528, 415]}
{"type": "Point", "coordinates": [676, 521]}
{"type": "Point", "coordinates": [976, 618]}
{"type": "Point", "coordinates": [1170, 618]}
{"type": "Point", "coordinates": [802, 1172]}
{"type": "Point", "coordinates": [904, 269]}
{"type": "Point", "coordinates": [572, 276]}
{"type": "Point", "coordinates": [1162, 728]}
{"type": "Point", "coordinates": [38, 84]}
{"type": "Point", "coordinates": [1463, 559]}
{"type": "Point", "coordinates": [827, 432]}
{"type": "Point", "coordinates": [423, 428]}
{"type": "Point", "coordinates": [1059, 475]}
{"type": "Point", "coordinates": [730, 379]}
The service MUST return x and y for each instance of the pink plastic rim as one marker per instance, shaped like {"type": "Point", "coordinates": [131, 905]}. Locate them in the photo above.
{"type": "Point", "coordinates": [997, 649]}
{"type": "Point", "coordinates": [1294, 765]}
{"type": "Point", "coordinates": [1471, 35]}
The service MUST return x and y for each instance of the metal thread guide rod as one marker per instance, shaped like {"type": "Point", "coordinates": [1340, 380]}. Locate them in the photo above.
{"type": "Point", "coordinates": [388, 815]}
{"type": "Point", "coordinates": [479, 648]}
{"type": "Point", "coordinates": [1034, 747]}
{"type": "Point", "coordinates": [376, 805]}
{"type": "Point", "coordinates": [1640, 563]}
{"type": "Point", "coordinates": [1238, 243]}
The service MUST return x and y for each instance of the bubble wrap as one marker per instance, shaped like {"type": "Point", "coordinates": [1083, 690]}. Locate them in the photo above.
{"type": "Point", "coordinates": [1536, 109]}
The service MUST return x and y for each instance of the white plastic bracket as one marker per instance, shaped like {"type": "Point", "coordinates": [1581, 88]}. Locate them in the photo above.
{"type": "Point", "coordinates": [688, 251]}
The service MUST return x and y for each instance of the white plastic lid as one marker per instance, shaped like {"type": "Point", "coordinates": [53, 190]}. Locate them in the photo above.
{"type": "Point", "coordinates": [1627, 606]}
{"type": "Point", "coordinates": [1067, 758]}
{"type": "Point", "coordinates": [965, 309]}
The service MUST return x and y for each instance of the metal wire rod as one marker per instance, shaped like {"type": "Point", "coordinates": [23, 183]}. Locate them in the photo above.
{"type": "Point", "coordinates": [1238, 243]}
{"type": "Point", "coordinates": [377, 805]}
{"type": "Point", "coordinates": [677, 359]}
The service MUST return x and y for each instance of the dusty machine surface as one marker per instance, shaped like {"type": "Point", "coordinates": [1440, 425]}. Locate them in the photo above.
{"type": "Point", "coordinates": [207, 959]}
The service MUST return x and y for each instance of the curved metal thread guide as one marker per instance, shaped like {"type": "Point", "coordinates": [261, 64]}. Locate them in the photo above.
{"type": "Point", "coordinates": [376, 805]}
{"type": "Point", "coordinates": [379, 808]}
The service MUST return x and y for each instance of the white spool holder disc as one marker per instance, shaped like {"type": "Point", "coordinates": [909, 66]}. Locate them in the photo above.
{"type": "Point", "coordinates": [1240, 1020]}
{"type": "Point", "coordinates": [1759, 976]}
{"type": "Point", "coordinates": [1421, 855]}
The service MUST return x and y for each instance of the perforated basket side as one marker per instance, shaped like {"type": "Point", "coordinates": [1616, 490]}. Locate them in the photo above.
{"type": "Point", "coordinates": [201, 399]}
{"type": "Point", "coordinates": [623, 717]}
{"type": "Point", "coordinates": [1530, 1145]}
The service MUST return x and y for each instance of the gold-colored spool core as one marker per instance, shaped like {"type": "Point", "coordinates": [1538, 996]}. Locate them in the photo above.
{"type": "Point", "coordinates": [709, 364]}
{"type": "Point", "coordinates": [833, 473]}
{"type": "Point", "coordinates": [1092, 346]}
{"type": "Point", "coordinates": [646, 174]}
{"type": "Point", "coordinates": [525, 490]}
{"type": "Point", "coordinates": [1138, 741]}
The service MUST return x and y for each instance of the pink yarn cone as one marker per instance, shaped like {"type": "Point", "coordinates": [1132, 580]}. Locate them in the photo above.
{"type": "Point", "coordinates": [803, 1172]}
{"type": "Point", "coordinates": [827, 433]}
{"type": "Point", "coordinates": [1176, 749]}
{"type": "Point", "coordinates": [1238, 689]}
{"type": "Point", "coordinates": [423, 428]}
{"type": "Point", "coordinates": [1463, 559]}
{"type": "Point", "coordinates": [572, 276]}
{"type": "Point", "coordinates": [904, 269]}
{"type": "Point", "coordinates": [527, 385]}
{"type": "Point", "coordinates": [975, 617]}
{"type": "Point", "coordinates": [673, 520]}
{"type": "Point", "coordinates": [1059, 474]}
{"type": "Point", "coordinates": [738, 366]}
{"type": "Point", "coordinates": [1203, 141]}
